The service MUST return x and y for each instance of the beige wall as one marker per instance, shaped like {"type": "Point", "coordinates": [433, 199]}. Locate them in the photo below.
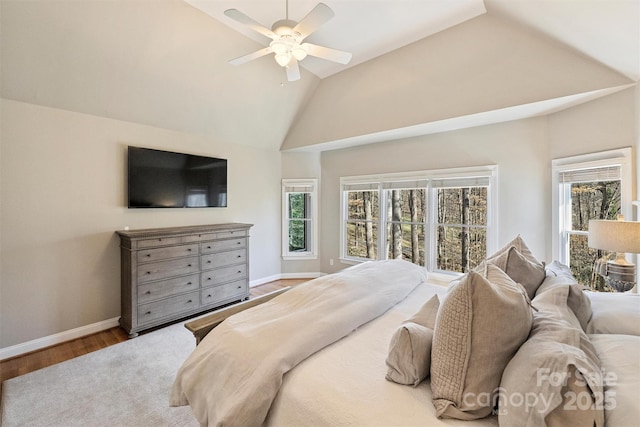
{"type": "Point", "coordinates": [522, 149]}
{"type": "Point", "coordinates": [518, 148]}
{"type": "Point", "coordinates": [63, 194]}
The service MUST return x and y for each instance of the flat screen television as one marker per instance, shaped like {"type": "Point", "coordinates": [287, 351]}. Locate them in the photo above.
{"type": "Point", "coordinates": [164, 179]}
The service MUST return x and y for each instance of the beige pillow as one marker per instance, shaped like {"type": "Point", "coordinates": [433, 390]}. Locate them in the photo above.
{"type": "Point", "coordinates": [409, 358]}
{"type": "Point", "coordinates": [480, 325]}
{"type": "Point", "coordinates": [426, 316]}
{"type": "Point", "coordinates": [520, 245]}
{"type": "Point", "coordinates": [557, 367]}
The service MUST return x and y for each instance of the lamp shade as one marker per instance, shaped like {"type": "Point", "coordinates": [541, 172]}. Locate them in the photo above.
{"type": "Point", "coordinates": [617, 236]}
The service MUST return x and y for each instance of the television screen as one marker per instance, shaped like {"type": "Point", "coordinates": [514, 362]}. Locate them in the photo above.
{"type": "Point", "coordinates": [163, 179]}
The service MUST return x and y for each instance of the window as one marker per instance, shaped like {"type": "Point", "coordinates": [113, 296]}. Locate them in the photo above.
{"type": "Point", "coordinates": [595, 186]}
{"type": "Point", "coordinates": [438, 219]}
{"type": "Point", "coordinates": [299, 228]}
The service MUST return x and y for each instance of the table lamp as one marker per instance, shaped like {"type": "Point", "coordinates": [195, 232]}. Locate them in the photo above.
{"type": "Point", "coordinates": [621, 237]}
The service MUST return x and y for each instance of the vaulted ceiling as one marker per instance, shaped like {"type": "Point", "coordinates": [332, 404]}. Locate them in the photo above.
{"type": "Point", "coordinates": [419, 66]}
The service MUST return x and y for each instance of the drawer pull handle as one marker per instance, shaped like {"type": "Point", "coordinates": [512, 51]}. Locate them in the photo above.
{"type": "Point", "coordinates": [148, 272]}
{"type": "Point", "coordinates": [148, 293]}
{"type": "Point", "coordinates": [209, 296]}
{"type": "Point", "coordinates": [208, 278]}
{"type": "Point", "coordinates": [208, 247]}
{"type": "Point", "coordinates": [147, 313]}
{"type": "Point", "coordinates": [209, 262]}
{"type": "Point", "coordinates": [239, 287]}
{"type": "Point", "coordinates": [149, 255]}
{"type": "Point", "coordinates": [238, 243]}
{"type": "Point", "coordinates": [188, 283]}
{"type": "Point", "coordinates": [189, 250]}
{"type": "Point", "coordinates": [239, 271]}
{"type": "Point", "coordinates": [189, 301]}
{"type": "Point", "coordinates": [188, 265]}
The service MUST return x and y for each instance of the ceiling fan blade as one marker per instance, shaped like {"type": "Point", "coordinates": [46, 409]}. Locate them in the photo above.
{"type": "Point", "coordinates": [293, 71]}
{"type": "Point", "coordinates": [240, 17]}
{"type": "Point", "coordinates": [334, 55]}
{"type": "Point", "coordinates": [314, 19]}
{"type": "Point", "coordinates": [246, 58]}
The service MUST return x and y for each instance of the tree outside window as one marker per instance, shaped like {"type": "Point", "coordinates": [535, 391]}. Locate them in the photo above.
{"type": "Point", "coordinates": [442, 223]}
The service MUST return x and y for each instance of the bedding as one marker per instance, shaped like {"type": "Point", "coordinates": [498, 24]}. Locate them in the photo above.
{"type": "Point", "coordinates": [319, 354]}
{"type": "Point", "coordinates": [232, 377]}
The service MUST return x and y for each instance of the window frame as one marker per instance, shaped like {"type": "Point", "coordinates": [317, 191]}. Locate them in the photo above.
{"type": "Point", "coordinates": [561, 197]}
{"type": "Point", "coordinates": [465, 174]}
{"type": "Point", "coordinates": [307, 186]}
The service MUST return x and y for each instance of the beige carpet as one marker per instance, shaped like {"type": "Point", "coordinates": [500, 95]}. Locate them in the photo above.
{"type": "Point", "coordinates": [126, 384]}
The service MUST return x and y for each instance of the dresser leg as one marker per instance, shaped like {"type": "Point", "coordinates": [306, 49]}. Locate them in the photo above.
{"type": "Point", "coordinates": [133, 334]}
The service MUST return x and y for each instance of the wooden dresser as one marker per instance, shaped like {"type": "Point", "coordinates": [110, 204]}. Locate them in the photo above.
{"type": "Point", "coordinates": [171, 273]}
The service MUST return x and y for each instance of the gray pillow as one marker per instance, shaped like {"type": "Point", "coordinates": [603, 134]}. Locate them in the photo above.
{"type": "Point", "coordinates": [559, 274]}
{"type": "Point", "coordinates": [409, 357]}
{"type": "Point", "coordinates": [522, 270]}
{"type": "Point", "coordinates": [557, 367]}
{"type": "Point", "coordinates": [480, 325]}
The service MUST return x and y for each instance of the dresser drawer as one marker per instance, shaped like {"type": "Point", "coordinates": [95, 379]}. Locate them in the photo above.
{"type": "Point", "coordinates": [167, 307]}
{"type": "Point", "coordinates": [160, 241]}
{"type": "Point", "coordinates": [222, 275]}
{"type": "Point", "coordinates": [164, 288]}
{"type": "Point", "coordinates": [165, 269]}
{"type": "Point", "coordinates": [223, 245]}
{"type": "Point", "coordinates": [148, 255]}
{"type": "Point", "coordinates": [222, 292]}
{"type": "Point", "coordinates": [223, 259]}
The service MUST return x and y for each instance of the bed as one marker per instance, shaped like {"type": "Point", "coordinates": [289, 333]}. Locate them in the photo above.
{"type": "Point", "coordinates": [379, 344]}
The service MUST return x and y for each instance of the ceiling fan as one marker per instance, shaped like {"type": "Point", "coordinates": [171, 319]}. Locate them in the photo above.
{"type": "Point", "coordinates": [287, 39]}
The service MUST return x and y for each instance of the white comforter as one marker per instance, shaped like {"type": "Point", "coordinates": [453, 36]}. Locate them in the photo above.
{"type": "Point", "coordinates": [233, 376]}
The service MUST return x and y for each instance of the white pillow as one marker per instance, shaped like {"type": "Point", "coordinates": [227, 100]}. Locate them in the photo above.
{"type": "Point", "coordinates": [614, 313]}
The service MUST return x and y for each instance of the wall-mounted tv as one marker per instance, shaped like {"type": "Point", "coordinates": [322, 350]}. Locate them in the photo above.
{"type": "Point", "coordinates": [164, 179]}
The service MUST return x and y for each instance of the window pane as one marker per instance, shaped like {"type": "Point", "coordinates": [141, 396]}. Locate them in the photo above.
{"type": "Point", "coordinates": [406, 241]}
{"type": "Point", "coordinates": [362, 205]}
{"type": "Point", "coordinates": [460, 248]}
{"type": "Point", "coordinates": [581, 260]}
{"type": "Point", "coordinates": [362, 239]}
{"type": "Point", "coordinates": [407, 205]}
{"type": "Point", "coordinates": [298, 233]}
{"type": "Point", "coordinates": [299, 205]}
{"type": "Point", "coordinates": [452, 200]}
{"type": "Point", "coordinates": [594, 200]}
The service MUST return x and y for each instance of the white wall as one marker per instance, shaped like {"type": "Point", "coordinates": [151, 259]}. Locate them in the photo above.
{"type": "Point", "coordinates": [63, 194]}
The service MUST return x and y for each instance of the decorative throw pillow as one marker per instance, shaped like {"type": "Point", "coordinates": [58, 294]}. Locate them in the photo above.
{"type": "Point", "coordinates": [520, 245]}
{"type": "Point", "coordinates": [529, 274]}
{"type": "Point", "coordinates": [559, 274]}
{"type": "Point", "coordinates": [409, 358]}
{"type": "Point", "coordinates": [480, 325]}
{"type": "Point", "coordinates": [554, 379]}
{"type": "Point", "coordinates": [426, 316]}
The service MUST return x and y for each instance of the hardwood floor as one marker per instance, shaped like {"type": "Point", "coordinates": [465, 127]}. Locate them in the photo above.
{"type": "Point", "coordinates": [29, 362]}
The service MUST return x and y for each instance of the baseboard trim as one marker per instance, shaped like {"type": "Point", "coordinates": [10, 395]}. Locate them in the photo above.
{"type": "Point", "coordinates": [48, 341]}
{"type": "Point", "coordinates": [281, 276]}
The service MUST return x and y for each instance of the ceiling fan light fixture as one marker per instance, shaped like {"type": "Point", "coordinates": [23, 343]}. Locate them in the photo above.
{"type": "Point", "coordinates": [279, 47]}
{"type": "Point", "coordinates": [283, 59]}
{"type": "Point", "coordinates": [299, 52]}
